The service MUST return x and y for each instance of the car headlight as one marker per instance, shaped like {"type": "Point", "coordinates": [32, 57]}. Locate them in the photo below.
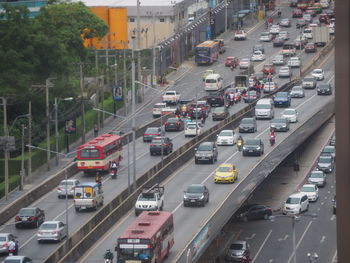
{"type": "Point", "coordinates": [258, 148]}
{"type": "Point", "coordinates": [185, 197]}
{"type": "Point", "coordinates": [202, 197]}
{"type": "Point", "coordinates": [284, 125]}
{"type": "Point", "coordinates": [244, 148]}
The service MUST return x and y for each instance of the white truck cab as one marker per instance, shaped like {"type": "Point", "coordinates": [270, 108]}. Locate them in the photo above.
{"type": "Point", "coordinates": [150, 199]}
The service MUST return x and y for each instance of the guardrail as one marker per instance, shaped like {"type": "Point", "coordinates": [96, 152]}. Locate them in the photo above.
{"type": "Point", "coordinates": [85, 236]}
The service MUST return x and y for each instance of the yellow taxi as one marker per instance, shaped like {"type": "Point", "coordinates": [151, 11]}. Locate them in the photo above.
{"type": "Point", "coordinates": [226, 173]}
{"type": "Point", "coordinates": [207, 73]}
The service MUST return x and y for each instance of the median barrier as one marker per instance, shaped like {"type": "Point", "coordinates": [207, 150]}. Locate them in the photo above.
{"type": "Point", "coordinates": [213, 225]}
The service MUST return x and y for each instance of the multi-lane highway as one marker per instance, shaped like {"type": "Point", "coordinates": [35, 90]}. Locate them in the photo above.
{"type": "Point", "coordinates": [188, 86]}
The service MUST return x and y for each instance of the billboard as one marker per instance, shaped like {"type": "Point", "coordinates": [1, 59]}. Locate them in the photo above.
{"type": "Point", "coordinates": [70, 127]}
{"type": "Point", "coordinates": [117, 93]}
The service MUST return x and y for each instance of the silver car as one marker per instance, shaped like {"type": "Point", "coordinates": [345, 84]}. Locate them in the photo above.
{"type": "Point", "coordinates": [294, 62]}
{"type": "Point", "coordinates": [284, 72]}
{"type": "Point", "coordinates": [4, 239]}
{"type": "Point", "coordinates": [279, 60]}
{"type": "Point", "coordinates": [297, 92]}
{"type": "Point", "coordinates": [52, 230]}
{"type": "Point", "coordinates": [17, 259]}
{"type": "Point", "coordinates": [67, 186]}
{"type": "Point", "coordinates": [309, 82]}
{"type": "Point", "coordinates": [318, 178]}
{"type": "Point", "coordinates": [244, 63]}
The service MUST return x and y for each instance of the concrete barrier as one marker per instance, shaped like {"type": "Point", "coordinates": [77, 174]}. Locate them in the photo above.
{"type": "Point", "coordinates": [256, 175]}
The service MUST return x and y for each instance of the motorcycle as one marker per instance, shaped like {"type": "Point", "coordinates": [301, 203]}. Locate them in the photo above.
{"type": "Point", "coordinates": [203, 120]}
{"type": "Point", "coordinates": [272, 140]}
{"type": "Point", "coordinates": [232, 67]}
{"type": "Point", "coordinates": [113, 173]}
{"type": "Point", "coordinates": [239, 145]}
{"type": "Point", "coordinates": [108, 260]}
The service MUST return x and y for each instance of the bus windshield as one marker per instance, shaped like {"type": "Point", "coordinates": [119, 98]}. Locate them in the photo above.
{"type": "Point", "coordinates": [202, 51]}
{"type": "Point", "coordinates": [134, 253]}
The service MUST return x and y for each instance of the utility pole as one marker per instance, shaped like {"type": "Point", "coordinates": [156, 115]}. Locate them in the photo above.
{"type": "Point", "coordinates": [82, 102]}
{"type": "Point", "coordinates": [47, 82]}
{"type": "Point", "coordinates": [30, 142]}
{"type": "Point", "coordinates": [154, 52]}
{"type": "Point", "coordinates": [56, 130]}
{"type": "Point", "coordinates": [139, 47]}
{"type": "Point", "coordinates": [22, 173]}
{"type": "Point", "coordinates": [125, 93]}
{"type": "Point", "coordinates": [225, 15]}
{"type": "Point", "coordinates": [116, 86]}
{"type": "Point", "coordinates": [6, 150]}
{"type": "Point", "coordinates": [97, 83]}
{"type": "Point", "coordinates": [133, 111]}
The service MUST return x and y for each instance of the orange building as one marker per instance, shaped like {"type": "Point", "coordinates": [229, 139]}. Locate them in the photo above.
{"type": "Point", "coordinates": [117, 20]}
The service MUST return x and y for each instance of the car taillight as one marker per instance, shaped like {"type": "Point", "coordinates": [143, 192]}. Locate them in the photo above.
{"type": "Point", "coordinates": [32, 218]}
{"type": "Point", "coordinates": [166, 123]}
{"type": "Point", "coordinates": [72, 188]}
{"type": "Point", "coordinates": [152, 145]}
{"type": "Point", "coordinates": [59, 188]}
{"type": "Point", "coordinates": [40, 232]}
{"type": "Point", "coordinates": [5, 245]}
{"type": "Point", "coordinates": [165, 144]}
{"type": "Point", "coordinates": [17, 218]}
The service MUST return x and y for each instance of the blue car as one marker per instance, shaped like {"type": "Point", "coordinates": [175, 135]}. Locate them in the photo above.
{"type": "Point", "coordinates": [282, 99]}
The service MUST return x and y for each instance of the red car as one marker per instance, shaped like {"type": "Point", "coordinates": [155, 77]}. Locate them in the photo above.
{"type": "Point", "coordinates": [297, 13]}
{"type": "Point", "coordinates": [268, 69]}
{"type": "Point", "coordinates": [231, 61]}
{"type": "Point", "coordinates": [324, 18]}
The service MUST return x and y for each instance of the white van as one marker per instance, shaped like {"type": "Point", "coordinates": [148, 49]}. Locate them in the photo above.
{"type": "Point", "coordinates": [213, 82]}
{"type": "Point", "coordinates": [296, 204]}
{"type": "Point", "coordinates": [264, 109]}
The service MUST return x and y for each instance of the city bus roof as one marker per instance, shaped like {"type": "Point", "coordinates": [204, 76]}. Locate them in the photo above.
{"type": "Point", "coordinates": [208, 43]}
{"type": "Point", "coordinates": [146, 225]}
{"type": "Point", "coordinates": [100, 141]}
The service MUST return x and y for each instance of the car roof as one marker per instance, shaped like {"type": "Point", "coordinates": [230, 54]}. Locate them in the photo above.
{"type": "Point", "coordinates": [15, 257]}
{"type": "Point", "coordinates": [308, 185]}
{"type": "Point", "coordinates": [206, 143]}
{"type": "Point", "coordinates": [52, 222]}
{"type": "Point", "coordinates": [227, 131]}
{"type": "Point", "coordinates": [242, 242]}
{"type": "Point", "coordinates": [226, 165]}
{"type": "Point", "coordinates": [296, 195]}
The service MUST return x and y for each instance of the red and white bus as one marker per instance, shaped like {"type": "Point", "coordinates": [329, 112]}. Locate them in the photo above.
{"type": "Point", "coordinates": [98, 153]}
{"type": "Point", "coordinates": [148, 239]}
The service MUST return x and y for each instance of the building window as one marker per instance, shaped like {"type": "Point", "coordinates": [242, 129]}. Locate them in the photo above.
{"type": "Point", "coordinates": [132, 19]}
{"type": "Point", "coordinates": [162, 19]}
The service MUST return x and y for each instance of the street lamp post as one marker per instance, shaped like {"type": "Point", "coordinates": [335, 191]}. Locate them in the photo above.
{"type": "Point", "coordinates": [133, 97]}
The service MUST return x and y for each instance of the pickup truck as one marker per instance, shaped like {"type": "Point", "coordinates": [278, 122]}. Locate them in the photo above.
{"type": "Point", "coordinates": [150, 199]}
{"type": "Point", "coordinates": [157, 109]}
{"type": "Point", "coordinates": [87, 195]}
{"type": "Point", "coordinates": [171, 97]}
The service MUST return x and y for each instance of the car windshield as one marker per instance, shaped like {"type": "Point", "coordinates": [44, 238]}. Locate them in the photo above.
{"type": "Point", "coordinates": [297, 88]}
{"type": "Point", "coordinates": [282, 94]}
{"type": "Point", "coordinates": [252, 142]}
{"type": "Point", "coordinates": [279, 120]}
{"type": "Point", "coordinates": [158, 106]}
{"type": "Point", "coordinates": [307, 189]}
{"type": "Point", "coordinates": [251, 93]}
{"type": "Point", "coordinates": [295, 59]}
{"type": "Point", "coordinates": [67, 183]}
{"type": "Point", "coordinates": [12, 261]}
{"type": "Point", "coordinates": [325, 159]}
{"type": "Point", "coordinates": [236, 246]}
{"type": "Point", "coordinates": [195, 189]}
{"type": "Point", "coordinates": [210, 80]}
{"type": "Point", "coordinates": [48, 226]}
{"type": "Point", "coordinates": [317, 71]}
{"type": "Point", "coordinates": [307, 30]}
{"type": "Point", "coordinates": [204, 147]}
{"type": "Point", "coordinates": [3, 239]}
{"type": "Point", "coordinates": [247, 121]}
{"type": "Point", "coordinates": [293, 200]}
{"type": "Point", "coordinates": [284, 69]}
{"type": "Point", "coordinates": [316, 175]}
{"type": "Point", "coordinates": [191, 126]}
{"type": "Point", "coordinates": [224, 169]}
{"type": "Point", "coordinates": [329, 149]}
{"type": "Point", "coordinates": [278, 57]}
{"type": "Point", "coordinates": [219, 110]}
{"type": "Point", "coordinates": [172, 120]}
{"type": "Point", "coordinates": [263, 106]}
{"type": "Point", "coordinates": [264, 33]}
{"type": "Point", "coordinates": [26, 212]}
{"type": "Point", "coordinates": [157, 140]}
{"type": "Point", "coordinates": [225, 133]}
{"type": "Point", "coordinates": [147, 197]}
{"type": "Point", "coordinates": [309, 79]}
{"type": "Point", "coordinates": [324, 86]}
{"type": "Point", "coordinates": [289, 112]}
{"type": "Point", "coordinates": [244, 60]}
{"type": "Point", "coordinates": [152, 130]}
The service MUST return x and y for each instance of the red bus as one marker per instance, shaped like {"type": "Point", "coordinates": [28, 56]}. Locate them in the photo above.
{"type": "Point", "coordinates": [148, 239]}
{"type": "Point", "coordinates": [207, 52]}
{"type": "Point", "coordinates": [98, 153]}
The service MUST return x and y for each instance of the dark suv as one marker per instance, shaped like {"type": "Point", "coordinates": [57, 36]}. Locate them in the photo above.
{"type": "Point", "coordinates": [216, 99]}
{"type": "Point", "coordinates": [30, 216]}
{"type": "Point", "coordinates": [196, 194]}
{"type": "Point", "coordinates": [253, 211]}
{"type": "Point", "coordinates": [207, 152]}
{"type": "Point", "coordinates": [155, 147]}
{"type": "Point", "coordinates": [174, 124]}
{"type": "Point", "coordinates": [253, 147]}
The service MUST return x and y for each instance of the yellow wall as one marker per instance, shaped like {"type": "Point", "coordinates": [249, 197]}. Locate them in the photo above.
{"type": "Point", "coordinates": [116, 19]}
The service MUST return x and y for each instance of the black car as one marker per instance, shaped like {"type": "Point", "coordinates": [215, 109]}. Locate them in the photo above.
{"type": "Point", "coordinates": [196, 194]}
{"type": "Point", "coordinates": [155, 147]}
{"type": "Point", "coordinates": [250, 96]}
{"type": "Point", "coordinates": [329, 13]}
{"type": "Point", "coordinates": [279, 124]}
{"type": "Point", "coordinates": [332, 141]}
{"type": "Point", "coordinates": [248, 125]}
{"type": "Point", "coordinates": [220, 113]}
{"type": "Point", "coordinates": [253, 147]}
{"type": "Point", "coordinates": [174, 124]}
{"type": "Point", "coordinates": [334, 205]}
{"type": "Point", "coordinates": [301, 23]}
{"type": "Point", "coordinates": [216, 99]}
{"type": "Point", "coordinates": [152, 132]}
{"type": "Point", "coordinates": [325, 164]}
{"type": "Point", "coordinates": [237, 251]}
{"type": "Point", "coordinates": [324, 89]}
{"type": "Point", "coordinates": [30, 216]}
{"type": "Point", "coordinates": [206, 151]}
{"type": "Point", "coordinates": [278, 42]}
{"type": "Point", "coordinates": [259, 47]}
{"type": "Point", "coordinates": [253, 211]}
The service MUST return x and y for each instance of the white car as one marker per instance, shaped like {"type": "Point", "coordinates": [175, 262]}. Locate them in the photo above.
{"type": "Point", "coordinates": [269, 87]}
{"type": "Point", "coordinates": [284, 35]}
{"type": "Point", "coordinates": [265, 36]}
{"type": "Point", "coordinates": [307, 33]}
{"type": "Point", "coordinates": [258, 56]}
{"type": "Point", "coordinates": [244, 63]}
{"type": "Point", "coordinates": [284, 72]}
{"type": "Point", "coordinates": [240, 35]}
{"type": "Point", "coordinates": [5, 238]}
{"type": "Point", "coordinates": [274, 29]}
{"type": "Point", "coordinates": [324, 4]}
{"type": "Point", "coordinates": [226, 137]}
{"type": "Point", "coordinates": [190, 129]}
{"type": "Point", "coordinates": [311, 191]}
{"type": "Point", "coordinates": [318, 74]}
{"type": "Point", "coordinates": [67, 186]}
{"type": "Point", "coordinates": [17, 259]}
{"type": "Point", "coordinates": [331, 28]}
{"type": "Point", "coordinates": [279, 60]}
{"type": "Point", "coordinates": [157, 109]}
{"type": "Point", "coordinates": [290, 114]}
{"type": "Point", "coordinates": [296, 204]}
{"type": "Point", "coordinates": [294, 62]}
{"type": "Point", "coordinates": [52, 230]}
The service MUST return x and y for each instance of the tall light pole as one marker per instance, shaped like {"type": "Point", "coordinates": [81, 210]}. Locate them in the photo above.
{"type": "Point", "coordinates": [133, 107]}
{"type": "Point", "coordinates": [82, 103]}
{"type": "Point", "coordinates": [6, 150]}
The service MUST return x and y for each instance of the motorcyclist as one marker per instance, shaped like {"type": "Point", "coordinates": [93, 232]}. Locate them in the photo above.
{"type": "Point", "coordinates": [240, 142]}
{"type": "Point", "coordinates": [109, 255]}
{"type": "Point", "coordinates": [272, 137]}
{"type": "Point", "coordinates": [114, 166]}
{"type": "Point", "coordinates": [98, 180]}
{"type": "Point", "coordinates": [203, 117]}
{"type": "Point", "coordinates": [12, 247]}
{"type": "Point", "coordinates": [279, 13]}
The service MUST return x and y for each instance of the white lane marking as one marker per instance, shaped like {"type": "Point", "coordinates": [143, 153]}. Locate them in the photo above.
{"type": "Point", "coordinates": [271, 260]}
{"type": "Point", "coordinates": [318, 209]}
{"type": "Point", "coordinates": [329, 192]}
{"type": "Point", "coordinates": [326, 197]}
{"type": "Point", "coordinates": [322, 203]}
{"type": "Point", "coordinates": [283, 239]}
{"type": "Point", "coordinates": [332, 217]}
{"type": "Point", "coordinates": [323, 239]}
{"type": "Point", "coordinates": [301, 239]}
{"type": "Point", "coordinates": [251, 237]}
{"type": "Point", "coordinates": [334, 257]}
{"type": "Point", "coordinates": [332, 186]}
{"type": "Point", "coordinates": [262, 245]}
